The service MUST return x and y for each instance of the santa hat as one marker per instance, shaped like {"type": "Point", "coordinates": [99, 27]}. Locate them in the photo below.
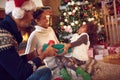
{"type": "Point", "coordinates": [18, 7]}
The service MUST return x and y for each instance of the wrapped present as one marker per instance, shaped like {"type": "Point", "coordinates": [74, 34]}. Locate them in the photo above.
{"type": "Point", "coordinates": [101, 51]}
{"type": "Point", "coordinates": [59, 47]}
{"type": "Point", "coordinates": [117, 50]}
{"type": "Point", "coordinates": [99, 47]}
{"type": "Point", "coordinates": [99, 57]}
{"type": "Point", "coordinates": [113, 49]}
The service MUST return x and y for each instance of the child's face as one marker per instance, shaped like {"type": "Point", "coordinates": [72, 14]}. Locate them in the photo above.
{"type": "Point", "coordinates": [82, 29]}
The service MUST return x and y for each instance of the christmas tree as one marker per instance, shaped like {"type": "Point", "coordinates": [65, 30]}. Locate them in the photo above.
{"type": "Point", "coordinates": [73, 14]}
{"type": "Point", "coordinates": [101, 35]}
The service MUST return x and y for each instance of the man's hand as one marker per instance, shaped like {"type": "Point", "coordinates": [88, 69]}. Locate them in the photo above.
{"type": "Point", "coordinates": [32, 55]}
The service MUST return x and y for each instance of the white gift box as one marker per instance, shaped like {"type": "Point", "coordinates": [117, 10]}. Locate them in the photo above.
{"type": "Point", "coordinates": [99, 57]}
{"type": "Point", "coordinates": [99, 47]}
{"type": "Point", "coordinates": [103, 52]}
{"type": "Point", "coordinates": [117, 50]}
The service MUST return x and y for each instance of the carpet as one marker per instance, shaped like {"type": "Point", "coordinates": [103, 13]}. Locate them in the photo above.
{"type": "Point", "coordinates": [105, 71]}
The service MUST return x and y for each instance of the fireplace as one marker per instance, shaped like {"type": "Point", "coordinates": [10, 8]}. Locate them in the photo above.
{"type": "Point", "coordinates": [25, 34]}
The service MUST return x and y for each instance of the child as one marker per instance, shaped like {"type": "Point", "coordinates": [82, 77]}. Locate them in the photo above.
{"type": "Point", "coordinates": [80, 44]}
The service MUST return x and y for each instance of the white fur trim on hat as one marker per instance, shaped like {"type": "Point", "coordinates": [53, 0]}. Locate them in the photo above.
{"type": "Point", "coordinates": [9, 6]}
{"type": "Point", "coordinates": [18, 13]}
{"type": "Point", "coordinates": [28, 5]}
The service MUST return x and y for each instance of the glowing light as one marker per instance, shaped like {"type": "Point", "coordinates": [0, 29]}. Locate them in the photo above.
{"type": "Point", "coordinates": [25, 36]}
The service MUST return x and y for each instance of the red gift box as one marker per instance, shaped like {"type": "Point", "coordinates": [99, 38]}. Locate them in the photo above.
{"type": "Point", "coordinates": [113, 49]}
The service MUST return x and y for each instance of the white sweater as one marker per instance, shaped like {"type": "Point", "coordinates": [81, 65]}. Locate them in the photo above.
{"type": "Point", "coordinates": [80, 52]}
{"type": "Point", "coordinates": [39, 37]}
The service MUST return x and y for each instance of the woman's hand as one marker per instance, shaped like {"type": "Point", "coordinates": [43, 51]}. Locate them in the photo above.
{"type": "Point", "coordinates": [50, 51]}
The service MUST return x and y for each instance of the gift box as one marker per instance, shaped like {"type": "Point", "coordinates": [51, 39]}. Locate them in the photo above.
{"type": "Point", "coordinates": [103, 52]}
{"type": "Point", "coordinates": [99, 57]}
{"type": "Point", "coordinates": [99, 47]}
{"type": "Point", "coordinates": [100, 50]}
{"type": "Point", "coordinates": [117, 50]}
{"type": "Point", "coordinates": [113, 49]}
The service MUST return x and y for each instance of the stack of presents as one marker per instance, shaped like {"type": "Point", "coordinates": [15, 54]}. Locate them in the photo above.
{"type": "Point", "coordinates": [98, 52]}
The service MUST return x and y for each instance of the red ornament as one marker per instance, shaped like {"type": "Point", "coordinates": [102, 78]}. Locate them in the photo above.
{"type": "Point", "coordinates": [85, 14]}
{"type": "Point", "coordinates": [73, 14]}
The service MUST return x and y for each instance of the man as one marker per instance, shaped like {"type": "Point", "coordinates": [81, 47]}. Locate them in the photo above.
{"type": "Point", "coordinates": [12, 66]}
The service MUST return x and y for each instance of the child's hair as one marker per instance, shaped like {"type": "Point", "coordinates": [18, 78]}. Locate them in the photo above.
{"type": "Point", "coordinates": [38, 13]}
{"type": "Point", "coordinates": [92, 32]}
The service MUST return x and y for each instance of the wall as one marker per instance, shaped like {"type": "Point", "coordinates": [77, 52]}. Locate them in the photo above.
{"type": "Point", "coordinates": [2, 3]}
{"type": "Point", "coordinates": [55, 8]}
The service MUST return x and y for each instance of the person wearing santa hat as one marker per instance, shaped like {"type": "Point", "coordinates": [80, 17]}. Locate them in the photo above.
{"type": "Point", "coordinates": [12, 66]}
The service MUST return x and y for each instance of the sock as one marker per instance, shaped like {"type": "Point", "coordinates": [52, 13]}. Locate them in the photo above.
{"type": "Point", "coordinates": [85, 75]}
{"type": "Point", "coordinates": [65, 74]}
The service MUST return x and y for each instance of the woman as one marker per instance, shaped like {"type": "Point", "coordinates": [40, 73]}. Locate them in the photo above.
{"type": "Point", "coordinates": [42, 33]}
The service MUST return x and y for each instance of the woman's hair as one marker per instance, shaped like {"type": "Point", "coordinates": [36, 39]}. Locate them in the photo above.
{"type": "Point", "coordinates": [39, 11]}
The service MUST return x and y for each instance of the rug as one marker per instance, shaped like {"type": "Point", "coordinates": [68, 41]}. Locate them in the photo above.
{"type": "Point", "coordinates": [106, 71]}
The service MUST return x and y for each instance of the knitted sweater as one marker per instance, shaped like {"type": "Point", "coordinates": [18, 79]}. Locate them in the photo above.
{"type": "Point", "coordinates": [38, 38]}
{"type": "Point", "coordinates": [12, 66]}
